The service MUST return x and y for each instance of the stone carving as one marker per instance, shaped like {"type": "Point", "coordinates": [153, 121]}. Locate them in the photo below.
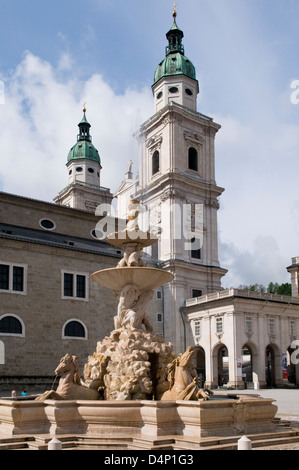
{"type": "Point", "coordinates": [172, 193]}
{"type": "Point", "coordinates": [132, 308]}
{"type": "Point", "coordinates": [132, 256]}
{"type": "Point", "coordinates": [70, 386]}
{"type": "Point", "coordinates": [94, 372]}
{"type": "Point", "coordinates": [240, 417]}
{"type": "Point", "coordinates": [136, 364]}
{"type": "Point", "coordinates": [132, 363]}
{"type": "Point", "coordinates": [183, 379]}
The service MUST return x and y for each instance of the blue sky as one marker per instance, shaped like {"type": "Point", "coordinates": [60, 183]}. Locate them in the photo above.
{"type": "Point", "coordinates": [56, 55]}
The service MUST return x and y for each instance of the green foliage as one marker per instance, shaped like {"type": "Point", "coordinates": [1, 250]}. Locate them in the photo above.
{"type": "Point", "coordinates": [273, 288]}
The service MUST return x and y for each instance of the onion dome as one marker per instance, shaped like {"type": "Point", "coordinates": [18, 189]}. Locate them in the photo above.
{"type": "Point", "coordinates": [84, 148]}
{"type": "Point", "coordinates": [175, 62]}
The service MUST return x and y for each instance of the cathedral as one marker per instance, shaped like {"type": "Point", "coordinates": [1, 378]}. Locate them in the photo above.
{"type": "Point", "coordinates": [49, 305]}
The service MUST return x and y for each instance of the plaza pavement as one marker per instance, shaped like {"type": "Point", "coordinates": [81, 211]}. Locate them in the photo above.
{"type": "Point", "coordinates": [286, 399]}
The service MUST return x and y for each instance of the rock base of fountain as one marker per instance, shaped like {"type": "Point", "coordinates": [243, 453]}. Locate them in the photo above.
{"type": "Point", "coordinates": [135, 365]}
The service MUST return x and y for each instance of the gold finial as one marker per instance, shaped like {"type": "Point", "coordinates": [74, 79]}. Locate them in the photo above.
{"type": "Point", "coordinates": [174, 11]}
{"type": "Point", "coordinates": [84, 108]}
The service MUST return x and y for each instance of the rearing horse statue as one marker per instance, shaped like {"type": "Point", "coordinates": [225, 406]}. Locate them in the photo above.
{"type": "Point", "coordinates": [70, 386]}
{"type": "Point", "coordinates": [183, 379]}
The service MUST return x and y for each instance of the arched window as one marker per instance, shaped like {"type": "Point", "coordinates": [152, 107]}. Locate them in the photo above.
{"type": "Point", "coordinates": [155, 162]}
{"type": "Point", "coordinates": [74, 329]}
{"type": "Point", "coordinates": [192, 159]}
{"type": "Point", "coordinates": [11, 325]}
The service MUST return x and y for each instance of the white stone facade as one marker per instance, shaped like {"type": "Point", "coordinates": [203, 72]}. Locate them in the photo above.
{"type": "Point", "coordinates": [244, 337]}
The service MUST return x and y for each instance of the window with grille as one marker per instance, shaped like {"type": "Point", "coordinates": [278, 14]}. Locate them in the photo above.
{"type": "Point", "coordinates": [197, 328]}
{"type": "Point", "coordinates": [248, 324]}
{"type": "Point", "coordinates": [293, 328]}
{"type": "Point", "coordinates": [68, 285]}
{"type": "Point", "coordinates": [159, 317]}
{"type": "Point", "coordinates": [159, 295]}
{"type": "Point", "coordinates": [10, 325]}
{"type": "Point", "coordinates": [13, 278]}
{"type": "Point", "coordinates": [81, 286]}
{"type": "Point", "coordinates": [4, 277]}
{"type": "Point", "coordinates": [271, 326]}
{"type": "Point", "coordinates": [74, 285]}
{"type": "Point", "coordinates": [74, 329]}
{"type": "Point", "coordinates": [219, 325]}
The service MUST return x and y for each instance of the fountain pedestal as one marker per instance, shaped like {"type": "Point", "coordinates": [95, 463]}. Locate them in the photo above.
{"type": "Point", "coordinates": [140, 418]}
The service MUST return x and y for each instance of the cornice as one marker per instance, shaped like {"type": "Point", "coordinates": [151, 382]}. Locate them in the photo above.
{"type": "Point", "coordinates": [174, 111]}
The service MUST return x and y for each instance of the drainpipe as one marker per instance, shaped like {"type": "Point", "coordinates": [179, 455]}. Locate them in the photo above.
{"type": "Point", "coordinates": [183, 320]}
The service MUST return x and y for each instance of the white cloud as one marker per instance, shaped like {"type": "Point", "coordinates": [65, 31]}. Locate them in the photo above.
{"type": "Point", "coordinates": [261, 265]}
{"type": "Point", "coordinates": [39, 126]}
{"type": "Point", "coordinates": [65, 62]}
{"type": "Point", "coordinates": [257, 164]}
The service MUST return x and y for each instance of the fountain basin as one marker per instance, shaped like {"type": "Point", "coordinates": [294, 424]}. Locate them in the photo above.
{"type": "Point", "coordinates": [144, 278]}
{"type": "Point", "coordinates": [195, 419]}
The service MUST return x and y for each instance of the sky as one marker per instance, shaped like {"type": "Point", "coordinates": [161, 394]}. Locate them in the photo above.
{"type": "Point", "coordinates": [57, 55]}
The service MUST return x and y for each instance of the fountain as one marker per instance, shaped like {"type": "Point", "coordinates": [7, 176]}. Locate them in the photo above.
{"type": "Point", "coordinates": [135, 388]}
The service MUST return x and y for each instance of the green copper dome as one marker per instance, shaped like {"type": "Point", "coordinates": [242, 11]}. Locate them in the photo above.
{"type": "Point", "coordinates": [84, 147]}
{"type": "Point", "coordinates": [175, 62]}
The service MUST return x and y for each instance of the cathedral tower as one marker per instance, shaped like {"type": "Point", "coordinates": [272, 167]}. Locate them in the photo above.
{"type": "Point", "coordinates": [177, 185]}
{"type": "Point", "coordinates": [84, 191]}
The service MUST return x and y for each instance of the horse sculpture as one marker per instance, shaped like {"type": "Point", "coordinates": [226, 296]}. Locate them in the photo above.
{"type": "Point", "coordinates": [70, 386]}
{"type": "Point", "coordinates": [183, 380]}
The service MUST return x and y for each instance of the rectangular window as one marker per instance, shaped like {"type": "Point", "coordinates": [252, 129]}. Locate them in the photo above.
{"type": "Point", "coordinates": [196, 253]}
{"type": "Point", "coordinates": [196, 293]}
{"type": "Point", "coordinates": [248, 324]}
{"type": "Point", "coordinates": [18, 279]}
{"type": "Point", "coordinates": [81, 289]}
{"type": "Point", "coordinates": [75, 285]}
{"type": "Point", "coordinates": [159, 295]}
{"type": "Point", "coordinates": [159, 318]}
{"type": "Point", "coordinates": [13, 278]}
{"type": "Point", "coordinates": [292, 328]}
{"type": "Point", "coordinates": [4, 277]}
{"type": "Point", "coordinates": [197, 328]}
{"type": "Point", "coordinates": [68, 285]}
{"type": "Point", "coordinates": [219, 325]}
{"type": "Point", "coordinates": [271, 326]}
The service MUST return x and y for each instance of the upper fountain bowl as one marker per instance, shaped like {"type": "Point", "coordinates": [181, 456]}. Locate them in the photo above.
{"type": "Point", "coordinates": [144, 278]}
